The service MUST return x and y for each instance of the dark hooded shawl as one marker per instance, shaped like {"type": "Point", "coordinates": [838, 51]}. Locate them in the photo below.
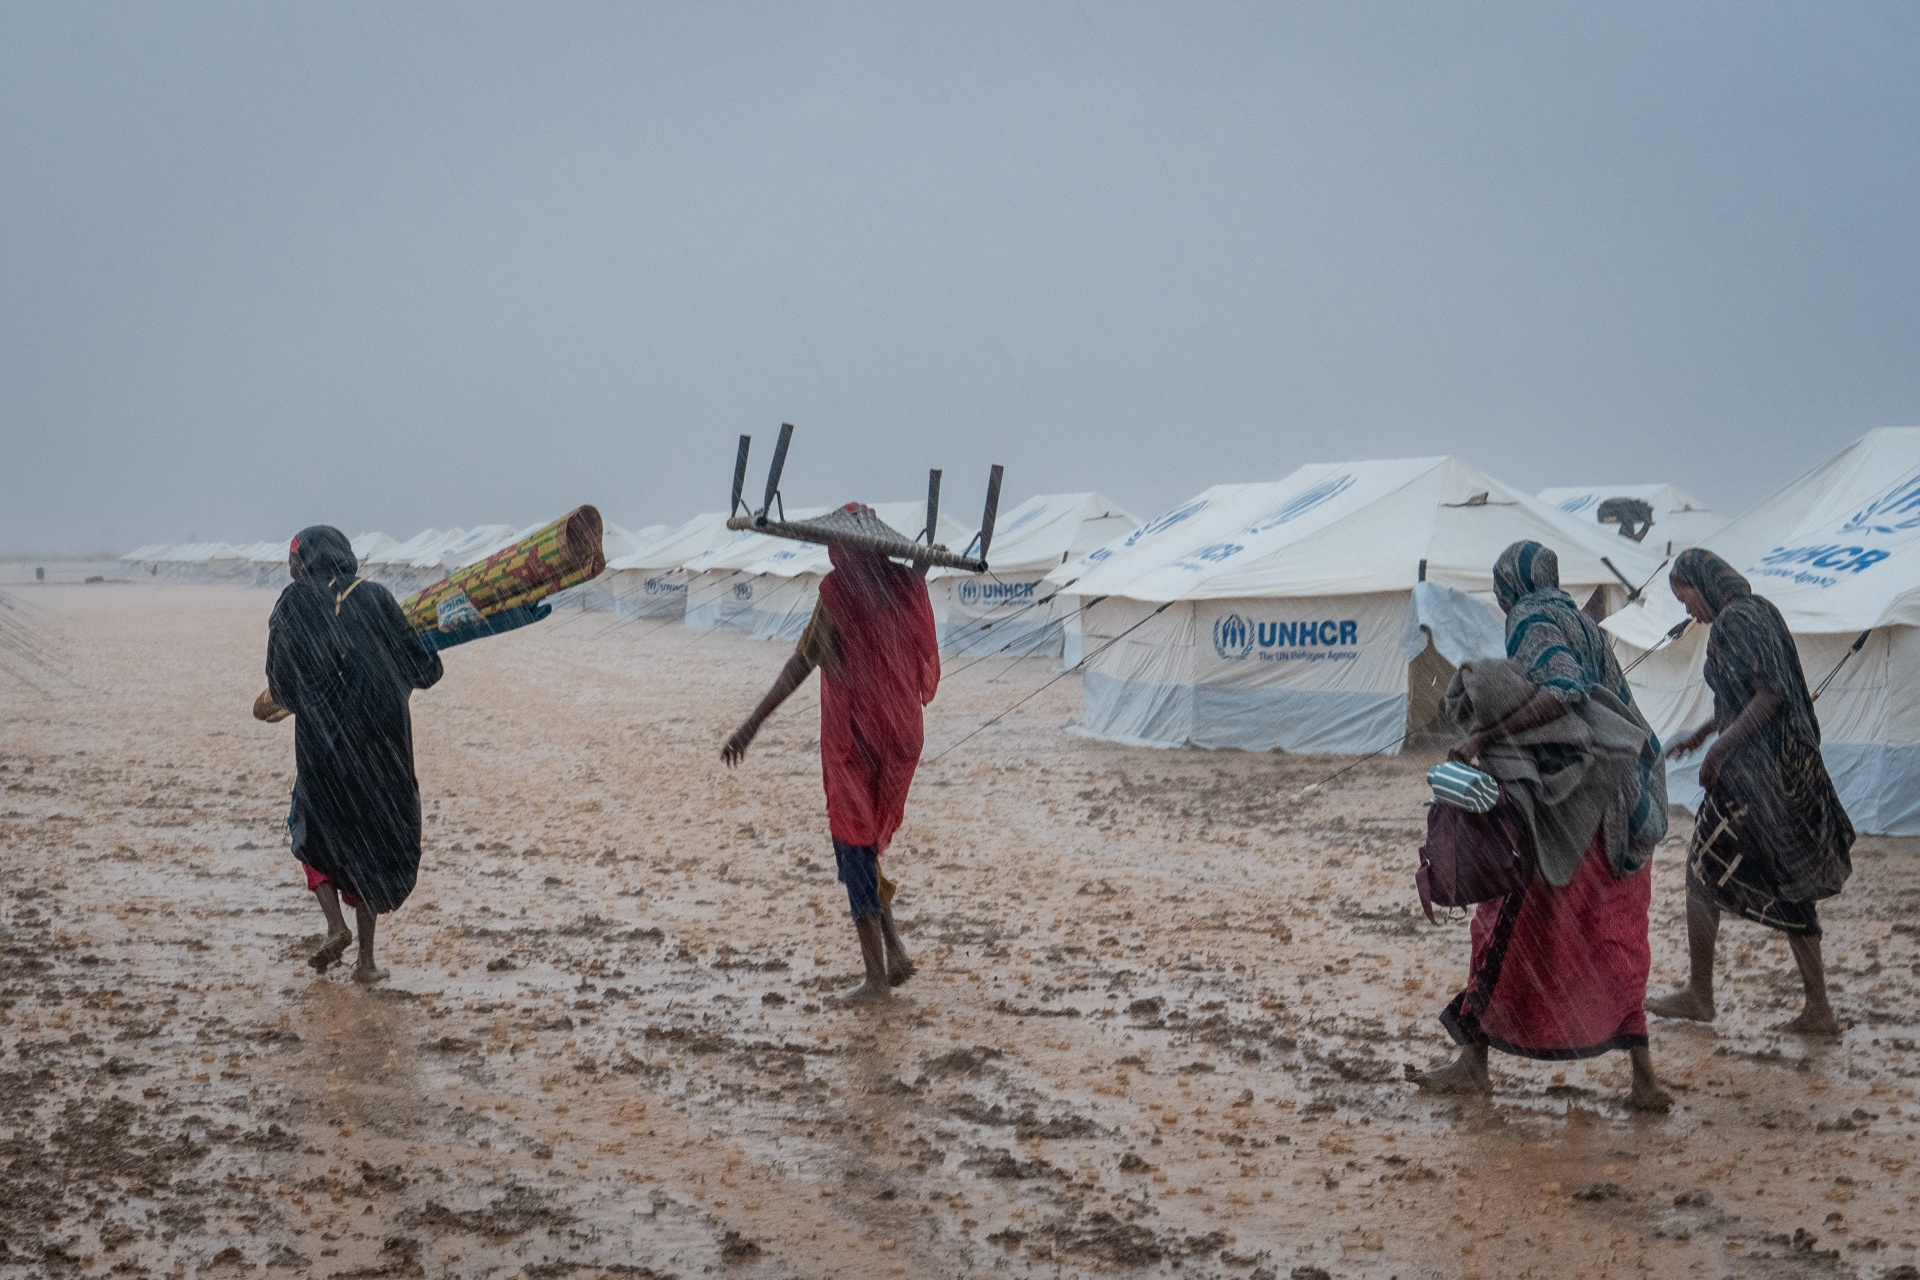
{"type": "Point", "coordinates": [1565, 653]}
{"type": "Point", "coordinates": [1774, 788]}
{"type": "Point", "coordinates": [342, 658]}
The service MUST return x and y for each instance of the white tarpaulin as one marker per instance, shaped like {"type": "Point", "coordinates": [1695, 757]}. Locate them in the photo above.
{"type": "Point", "coordinates": [1293, 608]}
{"type": "Point", "coordinates": [1006, 611]}
{"type": "Point", "coordinates": [1838, 552]}
{"type": "Point", "coordinates": [1680, 520]}
{"type": "Point", "coordinates": [390, 564]}
{"type": "Point", "coordinates": [651, 580]}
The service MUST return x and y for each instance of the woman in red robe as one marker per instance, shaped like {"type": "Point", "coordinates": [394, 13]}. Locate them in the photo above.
{"type": "Point", "coordinates": [1559, 970]}
{"type": "Point", "coordinates": [872, 637]}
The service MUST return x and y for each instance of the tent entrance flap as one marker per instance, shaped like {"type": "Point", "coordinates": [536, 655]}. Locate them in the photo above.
{"type": "Point", "coordinates": [1428, 676]}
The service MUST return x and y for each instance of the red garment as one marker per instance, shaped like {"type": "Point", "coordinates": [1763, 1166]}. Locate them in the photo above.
{"type": "Point", "coordinates": [870, 700]}
{"type": "Point", "coordinates": [1560, 973]}
{"type": "Point", "coordinates": [315, 879]}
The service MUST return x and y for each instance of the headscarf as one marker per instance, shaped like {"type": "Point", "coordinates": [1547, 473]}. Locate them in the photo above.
{"type": "Point", "coordinates": [1524, 568]}
{"type": "Point", "coordinates": [1563, 651]}
{"type": "Point", "coordinates": [324, 552]}
{"type": "Point", "coordinates": [1718, 582]}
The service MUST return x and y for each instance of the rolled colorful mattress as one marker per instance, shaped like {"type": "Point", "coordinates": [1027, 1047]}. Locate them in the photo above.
{"type": "Point", "coordinates": [505, 591]}
{"type": "Point", "coordinates": [564, 554]}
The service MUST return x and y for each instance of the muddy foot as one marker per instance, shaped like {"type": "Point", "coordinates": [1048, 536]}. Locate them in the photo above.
{"type": "Point", "coordinates": [369, 974]}
{"type": "Point", "coordinates": [867, 993]}
{"type": "Point", "coordinates": [330, 951]}
{"type": "Point", "coordinates": [1819, 1026]}
{"type": "Point", "coordinates": [1648, 1096]}
{"type": "Point", "coordinates": [1684, 1003]}
{"type": "Point", "coordinates": [1459, 1076]}
{"type": "Point", "coordinates": [899, 973]}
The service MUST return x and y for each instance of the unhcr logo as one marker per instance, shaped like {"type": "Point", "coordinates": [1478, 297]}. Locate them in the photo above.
{"type": "Point", "coordinates": [1301, 503]}
{"type": "Point", "coordinates": [1232, 637]}
{"type": "Point", "coordinates": [743, 591]}
{"type": "Point", "coordinates": [1167, 520]}
{"type": "Point", "coordinates": [1235, 637]}
{"type": "Point", "coordinates": [1894, 512]}
{"type": "Point", "coordinates": [664, 587]}
{"type": "Point", "coordinates": [995, 593]}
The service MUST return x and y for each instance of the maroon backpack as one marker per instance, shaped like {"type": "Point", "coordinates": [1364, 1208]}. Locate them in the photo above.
{"type": "Point", "coordinates": [1471, 857]}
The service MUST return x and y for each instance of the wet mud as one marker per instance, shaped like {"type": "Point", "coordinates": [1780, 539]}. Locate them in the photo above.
{"type": "Point", "coordinates": [1158, 1028]}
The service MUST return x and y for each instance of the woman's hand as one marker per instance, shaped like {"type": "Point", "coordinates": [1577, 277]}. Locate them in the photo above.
{"type": "Point", "coordinates": [265, 708]}
{"type": "Point", "coordinates": [1691, 743]}
{"type": "Point", "coordinates": [1710, 766]}
{"type": "Point", "coordinates": [1466, 749]}
{"type": "Point", "coordinates": [737, 744]}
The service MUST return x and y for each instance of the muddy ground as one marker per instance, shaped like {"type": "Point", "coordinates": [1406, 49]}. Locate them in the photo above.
{"type": "Point", "coordinates": [1158, 1028]}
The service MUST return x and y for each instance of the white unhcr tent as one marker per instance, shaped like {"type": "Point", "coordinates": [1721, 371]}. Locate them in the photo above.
{"type": "Point", "coordinates": [767, 586]}
{"type": "Point", "coordinates": [194, 561]}
{"type": "Point", "coordinates": [1321, 612]}
{"type": "Point", "coordinates": [267, 564]}
{"type": "Point", "coordinates": [651, 580]}
{"type": "Point", "coordinates": [145, 559]}
{"type": "Point", "coordinates": [368, 545]}
{"type": "Point", "coordinates": [391, 565]}
{"type": "Point", "coordinates": [619, 542]}
{"type": "Point", "coordinates": [1007, 611]}
{"type": "Point", "coordinates": [1680, 520]}
{"type": "Point", "coordinates": [458, 549]}
{"type": "Point", "coordinates": [1838, 551]}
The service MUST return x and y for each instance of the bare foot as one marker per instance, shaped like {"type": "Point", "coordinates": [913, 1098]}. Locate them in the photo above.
{"type": "Point", "coordinates": [368, 974]}
{"type": "Point", "coordinates": [1821, 1025]}
{"type": "Point", "coordinates": [865, 994]}
{"type": "Point", "coordinates": [330, 951]}
{"type": "Point", "coordinates": [899, 972]}
{"type": "Point", "coordinates": [1684, 1003]}
{"type": "Point", "coordinates": [1648, 1096]}
{"type": "Point", "coordinates": [1462, 1075]}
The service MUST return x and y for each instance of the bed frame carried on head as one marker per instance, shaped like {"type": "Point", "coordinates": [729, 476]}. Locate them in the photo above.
{"type": "Point", "coordinates": [858, 528]}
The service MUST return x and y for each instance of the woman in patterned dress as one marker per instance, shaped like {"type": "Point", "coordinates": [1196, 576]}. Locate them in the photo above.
{"type": "Point", "coordinates": [1772, 838]}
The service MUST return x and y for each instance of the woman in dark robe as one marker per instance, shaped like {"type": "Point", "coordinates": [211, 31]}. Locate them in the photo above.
{"type": "Point", "coordinates": [342, 659]}
{"type": "Point", "coordinates": [1560, 971]}
{"type": "Point", "coordinates": [1772, 838]}
{"type": "Point", "coordinates": [872, 636]}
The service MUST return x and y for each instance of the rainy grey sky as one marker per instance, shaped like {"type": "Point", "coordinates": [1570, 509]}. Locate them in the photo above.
{"type": "Point", "coordinates": [389, 266]}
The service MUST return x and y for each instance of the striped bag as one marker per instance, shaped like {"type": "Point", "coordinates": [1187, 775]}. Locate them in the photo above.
{"type": "Point", "coordinates": [1463, 786]}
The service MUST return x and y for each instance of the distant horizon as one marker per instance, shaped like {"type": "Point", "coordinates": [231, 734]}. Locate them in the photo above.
{"type": "Point", "coordinates": [1008, 504]}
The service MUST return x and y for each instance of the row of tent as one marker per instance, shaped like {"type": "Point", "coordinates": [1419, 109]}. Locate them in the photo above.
{"type": "Point", "coordinates": [425, 558]}
{"type": "Point", "coordinates": [1324, 612]}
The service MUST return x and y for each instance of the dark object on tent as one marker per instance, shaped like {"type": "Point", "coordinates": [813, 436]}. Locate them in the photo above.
{"type": "Point", "coordinates": [39, 575]}
{"type": "Point", "coordinates": [1632, 515]}
{"type": "Point", "coordinates": [858, 529]}
{"type": "Point", "coordinates": [1471, 857]}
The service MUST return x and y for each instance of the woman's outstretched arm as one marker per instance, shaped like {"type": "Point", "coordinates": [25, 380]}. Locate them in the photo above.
{"type": "Point", "coordinates": [798, 668]}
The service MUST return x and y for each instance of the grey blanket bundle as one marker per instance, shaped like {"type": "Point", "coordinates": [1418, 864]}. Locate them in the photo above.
{"type": "Point", "coordinates": [1569, 777]}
